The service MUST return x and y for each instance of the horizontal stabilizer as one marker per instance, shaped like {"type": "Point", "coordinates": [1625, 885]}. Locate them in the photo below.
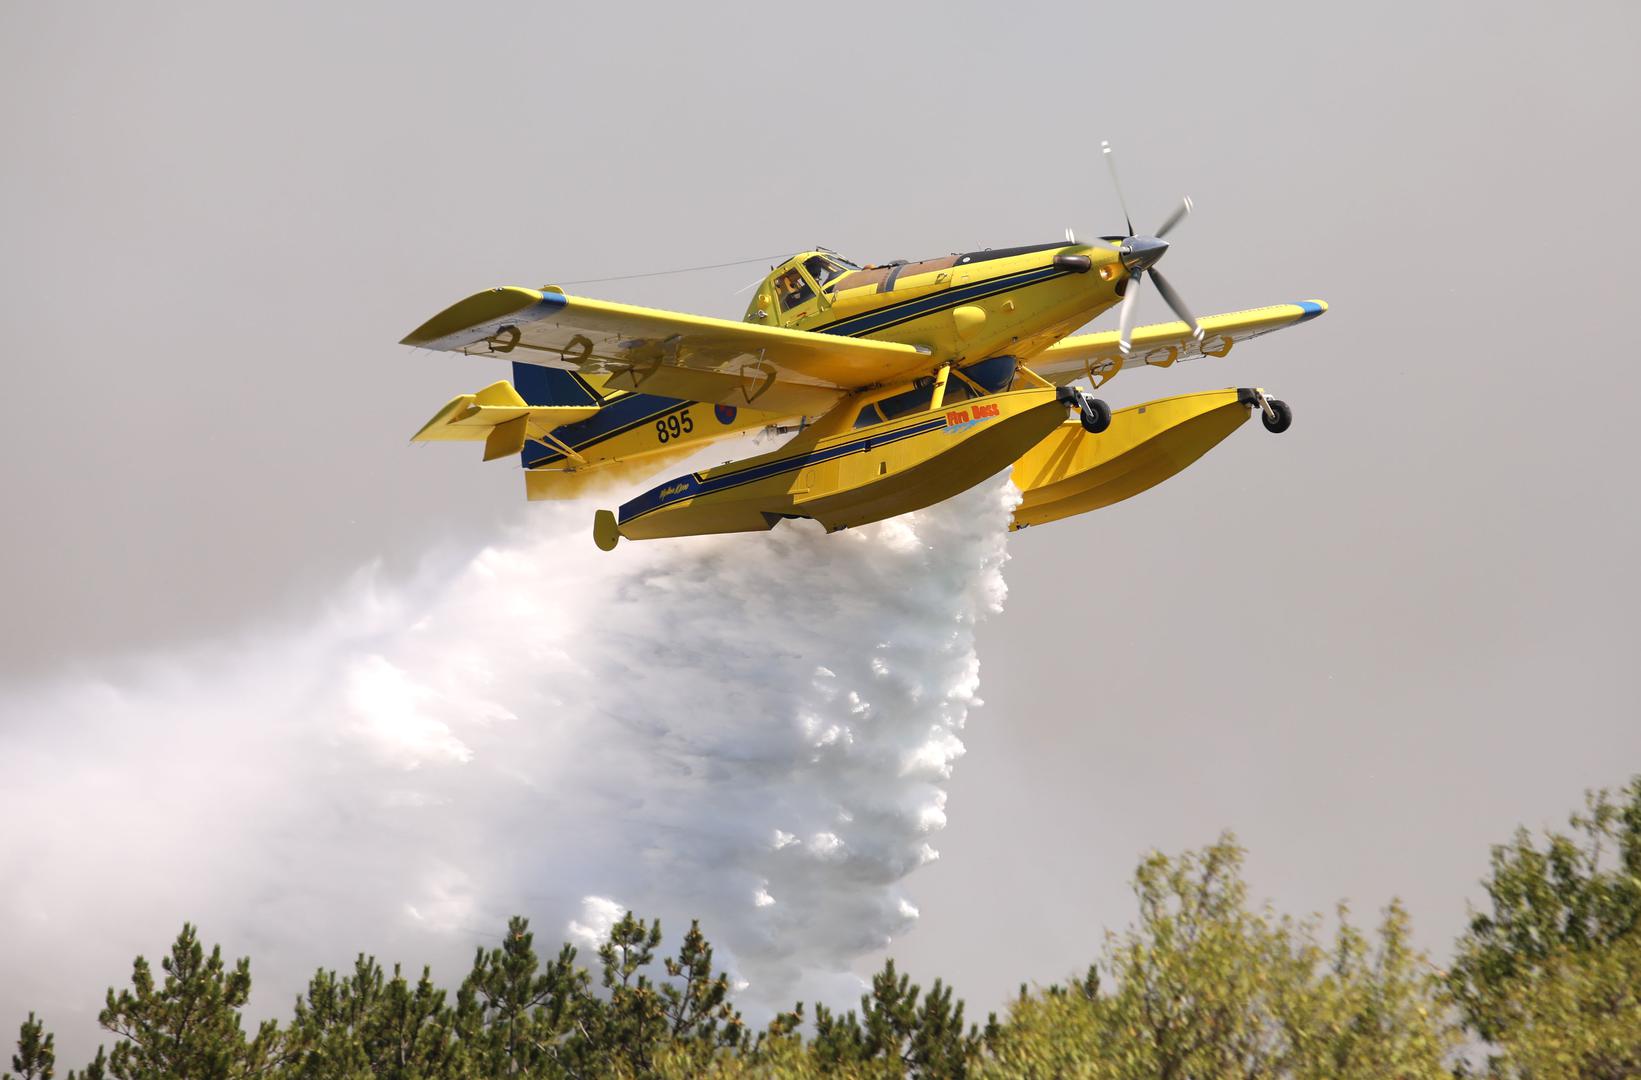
{"type": "Point", "coordinates": [499, 417]}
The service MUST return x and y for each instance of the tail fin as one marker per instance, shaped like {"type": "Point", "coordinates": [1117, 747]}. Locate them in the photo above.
{"type": "Point", "coordinates": [555, 386]}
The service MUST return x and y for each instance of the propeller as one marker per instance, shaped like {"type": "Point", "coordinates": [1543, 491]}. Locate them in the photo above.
{"type": "Point", "coordinates": [1139, 255]}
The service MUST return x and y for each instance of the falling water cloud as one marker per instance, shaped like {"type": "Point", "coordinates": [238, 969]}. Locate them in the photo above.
{"type": "Point", "coordinates": [750, 730]}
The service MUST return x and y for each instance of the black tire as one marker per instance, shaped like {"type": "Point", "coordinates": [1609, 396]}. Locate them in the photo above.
{"type": "Point", "coordinates": [1095, 415]}
{"type": "Point", "coordinates": [1282, 421]}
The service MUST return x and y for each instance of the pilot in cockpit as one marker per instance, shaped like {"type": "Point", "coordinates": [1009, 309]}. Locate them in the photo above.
{"type": "Point", "coordinates": [792, 288]}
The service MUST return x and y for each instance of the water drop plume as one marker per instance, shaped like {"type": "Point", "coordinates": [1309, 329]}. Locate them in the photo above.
{"type": "Point", "coordinates": [750, 730]}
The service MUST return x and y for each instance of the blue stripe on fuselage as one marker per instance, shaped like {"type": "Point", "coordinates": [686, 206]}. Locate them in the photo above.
{"type": "Point", "coordinates": [616, 418]}
{"type": "Point", "coordinates": [869, 321]}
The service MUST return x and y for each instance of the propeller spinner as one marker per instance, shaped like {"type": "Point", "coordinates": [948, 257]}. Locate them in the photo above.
{"type": "Point", "coordinates": [1139, 255]}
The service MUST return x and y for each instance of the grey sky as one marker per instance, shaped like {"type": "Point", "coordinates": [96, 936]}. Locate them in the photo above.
{"type": "Point", "coordinates": [1371, 646]}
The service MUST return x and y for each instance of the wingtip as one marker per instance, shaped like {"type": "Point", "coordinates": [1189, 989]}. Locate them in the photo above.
{"type": "Point", "coordinates": [497, 303]}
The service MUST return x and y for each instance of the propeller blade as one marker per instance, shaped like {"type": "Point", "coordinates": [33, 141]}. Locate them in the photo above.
{"type": "Point", "coordinates": [1171, 298]}
{"type": "Point", "coordinates": [1125, 318]}
{"type": "Point", "coordinates": [1175, 218]}
{"type": "Point", "coordinates": [1111, 163]}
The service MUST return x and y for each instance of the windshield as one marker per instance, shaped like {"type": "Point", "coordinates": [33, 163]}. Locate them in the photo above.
{"type": "Point", "coordinates": [825, 269]}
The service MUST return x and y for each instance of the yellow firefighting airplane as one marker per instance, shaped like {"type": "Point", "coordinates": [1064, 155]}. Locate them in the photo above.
{"type": "Point", "coordinates": [903, 384]}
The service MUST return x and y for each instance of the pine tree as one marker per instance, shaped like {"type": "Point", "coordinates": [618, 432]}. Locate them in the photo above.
{"type": "Point", "coordinates": [699, 1009]}
{"type": "Point", "coordinates": [368, 1025]}
{"type": "Point", "coordinates": [190, 1024]}
{"type": "Point", "coordinates": [894, 1033]}
{"type": "Point", "coordinates": [36, 1057]}
{"type": "Point", "coordinates": [514, 1016]}
{"type": "Point", "coordinates": [627, 1029]}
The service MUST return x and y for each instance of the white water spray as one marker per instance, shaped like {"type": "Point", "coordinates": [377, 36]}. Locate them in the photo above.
{"type": "Point", "coordinates": [751, 730]}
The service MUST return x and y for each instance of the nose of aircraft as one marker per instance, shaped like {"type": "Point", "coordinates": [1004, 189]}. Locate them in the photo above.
{"type": "Point", "coordinates": [1139, 253]}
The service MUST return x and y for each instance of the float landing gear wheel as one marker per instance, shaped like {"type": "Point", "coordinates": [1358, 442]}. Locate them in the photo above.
{"type": "Point", "coordinates": [1094, 414]}
{"type": "Point", "coordinates": [1275, 414]}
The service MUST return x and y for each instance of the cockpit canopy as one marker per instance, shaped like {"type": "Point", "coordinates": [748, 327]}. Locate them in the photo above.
{"type": "Point", "coordinates": [796, 280]}
{"type": "Point", "coordinates": [827, 266]}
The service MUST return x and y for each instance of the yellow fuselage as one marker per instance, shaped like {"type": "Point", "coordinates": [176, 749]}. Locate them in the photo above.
{"type": "Point", "coordinates": [949, 399]}
{"type": "Point", "coordinates": [967, 306]}
{"type": "Point", "coordinates": [842, 476]}
{"type": "Point", "coordinates": [957, 308]}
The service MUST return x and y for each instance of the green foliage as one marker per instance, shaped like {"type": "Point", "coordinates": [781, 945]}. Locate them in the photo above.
{"type": "Point", "coordinates": [1549, 975]}
{"type": "Point", "coordinates": [189, 1025]}
{"type": "Point", "coordinates": [699, 1010]}
{"type": "Point", "coordinates": [1201, 985]}
{"type": "Point", "coordinates": [367, 1025]}
{"type": "Point", "coordinates": [1373, 1008]}
{"type": "Point", "coordinates": [515, 1017]}
{"type": "Point", "coordinates": [1577, 1014]}
{"type": "Point", "coordinates": [1204, 986]}
{"type": "Point", "coordinates": [894, 1035]}
{"type": "Point", "coordinates": [629, 1026]}
{"type": "Point", "coordinates": [639, 1017]}
{"type": "Point", "coordinates": [36, 1057]}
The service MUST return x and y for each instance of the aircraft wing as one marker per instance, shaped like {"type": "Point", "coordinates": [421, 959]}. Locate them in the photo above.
{"type": "Point", "coordinates": [1162, 344]}
{"type": "Point", "coordinates": [668, 353]}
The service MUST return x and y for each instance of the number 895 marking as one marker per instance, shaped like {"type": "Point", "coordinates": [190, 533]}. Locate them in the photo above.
{"type": "Point", "coordinates": [671, 427]}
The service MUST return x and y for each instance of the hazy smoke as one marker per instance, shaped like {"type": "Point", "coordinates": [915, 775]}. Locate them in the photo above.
{"type": "Point", "coordinates": [750, 730]}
